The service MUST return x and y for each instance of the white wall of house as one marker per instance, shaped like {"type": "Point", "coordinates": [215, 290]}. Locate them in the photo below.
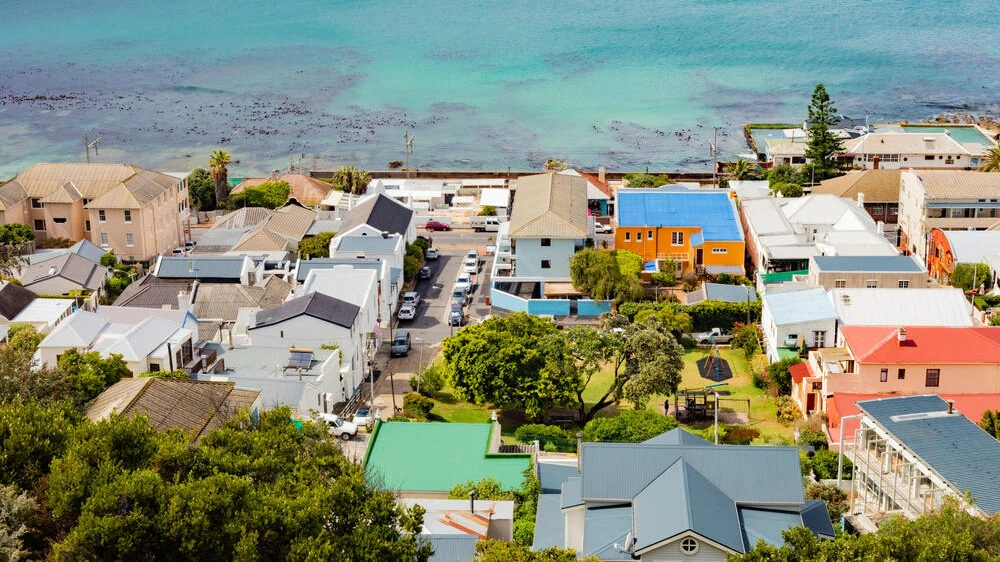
{"type": "Point", "coordinates": [776, 335]}
{"type": "Point", "coordinates": [356, 286]}
{"type": "Point", "coordinates": [531, 254]}
{"type": "Point", "coordinates": [574, 527]}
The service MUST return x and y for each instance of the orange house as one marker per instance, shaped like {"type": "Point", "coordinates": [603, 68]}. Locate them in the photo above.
{"type": "Point", "coordinates": [696, 228]}
{"type": "Point", "coordinates": [948, 248]}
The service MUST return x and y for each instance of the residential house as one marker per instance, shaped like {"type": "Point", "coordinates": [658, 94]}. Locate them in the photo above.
{"type": "Point", "coordinates": [901, 360]}
{"type": "Point", "coordinates": [134, 212]}
{"type": "Point", "coordinates": [258, 232]}
{"type": "Point", "coordinates": [84, 248]}
{"type": "Point", "coordinates": [672, 497]}
{"type": "Point", "coordinates": [783, 233]}
{"type": "Point", "coordinates": [377, 214]}
{"type": "Point", "coordinates": [42, 313]}
{"type": "Point", "coordinates": [390, 248]}
{"type": "Point", "coordinates": [309, 353]}
{"type": "Point", "coordinates": [13, 299]}
{"type": "Point", "coordinates": [912, 454]}
{"type": "Point", "coordinates": [152, 344]}
{"type": "Point", "coordinates": [877, 190]}
{"type": "Point", "coordinates": [63, 275]}
{"type": "Point", "coordinates": [208, 269]}
{"type": "Point", "coordinates": [945, 200]}
{"type": "Point", "coordinates": [358, 286]}
{"type": "Point", "coordinates": [305, 189]}
{"type": "Point", "coordinates": [866, 272]}
{"type": "Point", "coordinates": [952, 247]}
{"type": "Point", "coordinates": [427, 459]}
{"type": "Point", "coordinates": [924, 148]}
{"type": "Point", "coordinates": [194, 407]}
{"type": "Point", "coordinates": [792, 318]}
{"type": "Point", "coordinates": [695, 228]}
{"type": "Point", "coordinates": [453, 527]}
{"type": "Point", "coordinates": [389, 279]}
{"type": "Point", "coordinates": [721, 292]}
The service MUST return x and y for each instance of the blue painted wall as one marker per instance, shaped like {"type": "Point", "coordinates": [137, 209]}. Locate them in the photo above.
{"type": "Point", "coordinates": [555, 307]}
{"type": "Point", "coordinates": [587, 307]}
{"type": "Point", "coordinates": [507, 301]}
{"type": "Point", "coordinates": [530, 254]}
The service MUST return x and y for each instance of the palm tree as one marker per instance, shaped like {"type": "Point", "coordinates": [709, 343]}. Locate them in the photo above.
{"type": "Point", "coordinates": [992, 161]}
{"type": "Point", "coordinates": [742, 170]}
{"type": "Point", "coordinates": [217, 162]}
{"type": "Point", "coordinates": [351, 179]}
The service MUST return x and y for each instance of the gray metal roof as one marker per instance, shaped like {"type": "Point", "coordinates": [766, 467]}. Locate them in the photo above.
{"type": "Point", "coordinates": [550, 524]}
{"type": "Point", "coordinates": [571, 490]}
{"type": "Point", "coordinates": [201, 267]}
{"type": "Point", "coordinates": [70, 266]}
{"type": "Point", "coordinates": [868, 264]}
{"type": "Point", "coordinates": [552, 475]}
{"type": "Point", "coordinates": [603, 527]}
{"type": "Point", "coordinates": [681, 499]}
{"type": "Point", "coordinates": [376, 244]}
{"type": "Point", "coordinates": [767, 524]}
{"type": "Point", "coordinates": [677, 436]}
{"type": "Point", "coordinates": [729, 293]}
{"type": "Point", "coordinates": [317, 305]}
{"type": "Point", "coordinates": [382, 213]}
{"type": "Point", "coordinates": [954, 447]}
{"type": "Point", "coordinates": [452, 548]}
{"type": "Point", "coordinates": [766, 475]}
{"type": "Point", "coordinates": [815, 516]}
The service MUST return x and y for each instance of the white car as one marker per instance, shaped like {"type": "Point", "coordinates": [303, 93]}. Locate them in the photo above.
{"type": "Point", "coordinates": [412, 298]}
{"type": "Point", "coordinates": [465, 280]}
{"type": "Point", "coordinates": [343, 429]}
{"type": "Point", "coordinates": [471, 266]}
{"type": "Point", "coordinates": [365, 416]}
{"type": "Point", "coordinates": [431, 254]}
{"type": "Point", "coordinates": [602, 228]}
{"type": "Point", "coordinates": [407, 312]}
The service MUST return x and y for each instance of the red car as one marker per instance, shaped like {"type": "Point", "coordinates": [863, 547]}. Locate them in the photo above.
{"type": "Point", "coordinates": [435, 225]}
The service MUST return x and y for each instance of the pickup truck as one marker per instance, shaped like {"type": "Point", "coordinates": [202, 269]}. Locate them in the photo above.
{"type": "Point", "coordinates": [486, 224]}
{"type": "Point", "coordinates": [705, 338]}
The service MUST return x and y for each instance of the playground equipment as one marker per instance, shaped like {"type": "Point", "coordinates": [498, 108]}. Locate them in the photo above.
{"type": "Point", "coordinates": [714, 367]}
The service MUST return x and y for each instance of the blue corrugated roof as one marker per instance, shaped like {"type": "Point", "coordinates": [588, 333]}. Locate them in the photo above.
{"type": "Point", "coordinates": [677, 436]}
{"type": "Point", "coordinates": [375, 244]}
{"type": "Point", "coordinates": [794, 307]}
{"type": "Point", "coordinates": [766, 525]}
{"type": "Point", "coordinates": [889, 264]}
{"type": "Point", "coordinates": [452, 548]}
{"type": "Point", "coordinates": [571, 490]}
{"type": "Point", "coordinates": [605, 526]}
{"type": "Point", "coordinates": [201, 267]}
{"type": "Point", "coordinates": [713, 211]}
{"type": "Point", "coordinates": [816, 517]}
{"type": "Point", "coordinates": [551, 475]}
{"type": "Point", "coordinates": [951, 445]}
{"type": "Point", "coordinates": [550, 524]}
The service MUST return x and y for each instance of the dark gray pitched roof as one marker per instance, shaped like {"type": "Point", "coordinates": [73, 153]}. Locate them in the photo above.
{"type": "Point", "coordinates": [816, 517]}
{"type": "Point", "coordinates": [151, 292]}
{"type": "Point", "coordinates": [677, 436]}
{"type": "Point", "coordinates": [13, 299]}
{"type": "Point", "coordinates": [382, 213]}
{"type": "Point", "coordinates": [550, 524]}
{"type": "Point", "coordinates": [949, 444]}
{"type": "Point", "coordinates": [73, 267]}
{"type": "Point", "coordinates": [317, 305]}
{"type": "Point", "coordinates": [201, 267]}
{"type": "Point", "coordinates": [767, 524]}
{"type": "Point", "coordinates": [571, 490]}
{"type": "Point", "coordinates": [881, 264]}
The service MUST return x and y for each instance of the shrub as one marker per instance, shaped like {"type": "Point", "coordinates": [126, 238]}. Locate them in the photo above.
{"type": "Point", "coordinates": [410, 268]}
{"type": "Point", "coordinates": [422, 243]}
{"type": "Point", "coordinates": [835, 498]}
{"type": "Point", "coordinates": [759, 363]}
{"type": "Point", "coordinates": [772, 440]}
{"type": "Point", "coordinates": [488, 211]}
{"type": "Point", "coordinates": [813, 437]}
{"type": "Point", "coordinates": [824, 465]}
{"type": "Point", "coordinates": [690, 280]}
{"type": "Point", "coordinates": [740, 435]}
{"type": "Point", "coordinates": [417, 405]}
{"type": "Point", "coordinates": [398, 418]}
{"type": "Point", "coordinates": [788, 410]}
{"type": "Point", "coordinates": [780, 375]}
{"type": "Point", "coordinates": [745, 337]}
{"type": "Point", "coordinates": [629, 426]}
{"type": "Point", "coordinates": [416, 252]}
{"type": "Point", "coordinates": [664, 278]}
{"type": "Point", "coordinates": [551, 437]}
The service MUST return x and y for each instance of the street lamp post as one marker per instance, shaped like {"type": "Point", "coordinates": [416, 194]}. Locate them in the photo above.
{"type": "Point", "coordinates": [716, 393]}
{"type": "Point", "coordinates": [420, 363]}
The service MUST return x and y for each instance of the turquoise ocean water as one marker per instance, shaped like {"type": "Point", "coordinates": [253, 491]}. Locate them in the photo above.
{"type": "Point", "coordinates": [480, 84]}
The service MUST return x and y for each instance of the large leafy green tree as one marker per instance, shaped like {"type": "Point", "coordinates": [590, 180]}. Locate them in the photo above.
{"type": "Point", "coordinates": [317, 246]}
{"type": "Point", "coordinates": [269, 194]}
{"type": "Point", "coordinates": [990, 422]}
{"type": "Point", "coordinates": [201, 189]}
{"type": "Point", "coordinates": [599, 274]}
{"type": "Point", "coordinates": [520, 361]}
{"type": "Point", "coordinates": [629, 426]}
{"type": "Point", "coordinates": [92, 373]}
{"type": "Point", "coordinates": [644, 359]}
{"type": "Point", "coordinates": [218, 162]}
{"type": "Point", "coordinates": [16, 512]}
{"type": "Point", "coordinates": [822, 146]}
{"type": "Point", "coordinates": [493, 550]}
{"type": "Point", "coordinates": [970, 276]}
{"type": "Point", "coordinates": [351, 180]}
{"type": "Point", "coordinates": [742, 170]}
{"type": "Point", "coordinates": [16, 233]}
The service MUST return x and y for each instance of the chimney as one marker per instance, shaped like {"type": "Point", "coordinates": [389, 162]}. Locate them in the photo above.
{"type": "Point", "coordinates": [901, 335]}
{"type": "Point", "coordinates": [472, 502]}
{"type": "Point", "coordinates": [601, 174]}
{"type": "Point", "coordinates": [274, 175]}
{"type": "Point", "coordinates": [861, 199]}
{"type": "Point", "coordinates": [875, 161]}
{"type": "Point", "coordinates": [183, 301]}
{"type": "Point", "coordinates": [579, 452]}
{"type": "Point", "coordinates": [951, 406]}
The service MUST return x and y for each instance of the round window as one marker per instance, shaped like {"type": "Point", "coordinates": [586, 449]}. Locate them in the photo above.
{"type": "Point", "coordinates": [689, 546]}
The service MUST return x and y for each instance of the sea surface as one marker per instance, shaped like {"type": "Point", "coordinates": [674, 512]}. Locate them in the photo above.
{"type": "Point", "coordinates": [480, 85]}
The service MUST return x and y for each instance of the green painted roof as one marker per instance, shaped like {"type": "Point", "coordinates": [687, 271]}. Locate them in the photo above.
{"type": "Point", "coordinates": [787, 352]}
{"type": "Point", "coordinates": [781, 276]}
{"type": "Point", "coordinates": [434, 456]}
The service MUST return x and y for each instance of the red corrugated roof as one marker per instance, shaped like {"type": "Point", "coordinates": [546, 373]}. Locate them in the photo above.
{"type": "Point", "coordinates": [596, 180]}
{"type": "Point", "coordinates": [800, 371]}
{"type": "Point", "coordinates": [843, 404]}
{"type": "Point", "coordinates": [879, 344]}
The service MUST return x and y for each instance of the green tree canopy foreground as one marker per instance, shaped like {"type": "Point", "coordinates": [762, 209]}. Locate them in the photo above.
{"type": "Point", "coordinates": [970, 276]}
{"type": "Point", "coordinates": [16, 233]}
{"type": "Point", "coordinates": [119, 490]}
{"type": "Point", "coordinates": [270, 195]}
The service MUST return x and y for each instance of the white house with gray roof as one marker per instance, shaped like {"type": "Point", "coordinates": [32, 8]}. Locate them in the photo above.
{"type": "Point", "coordinates": [677, 497]}
{"type": "Point", "coordinates": [380, 213]}
{"type": "Point", "coordinates": [791, 318]}
{"type": "Point", "coordinates": [209, 269]}
{"type": "Point", "coordinates": [389, 280]}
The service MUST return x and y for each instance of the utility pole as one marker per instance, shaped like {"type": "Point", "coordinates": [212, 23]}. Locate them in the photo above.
{"type": "Point", "coordinates": [87, 145]}
{"type": "Point", "coordinates": [715, 156]}
{"type": "Point", "coordinates": [407, 150]}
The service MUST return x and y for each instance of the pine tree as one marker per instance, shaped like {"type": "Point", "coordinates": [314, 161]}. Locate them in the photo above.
{"type": "Point", "coordinates": [823, 145]}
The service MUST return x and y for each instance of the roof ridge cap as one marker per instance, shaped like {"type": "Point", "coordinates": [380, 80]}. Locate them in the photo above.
{"type": "Point", "coordinates": [142, 390]}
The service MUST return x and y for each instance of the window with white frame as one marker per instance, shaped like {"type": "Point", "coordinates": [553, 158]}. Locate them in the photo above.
{"type": "Point", "coordinates": [628, 237]}
{"type": "Point", "coordinates": [677, 238]}
{"type": "Point", "coordinates": [128, 239]}
{"type": "Point", "coordinates": [102, 216]}
{"type": "Point", "coordinates": [649, 235]}
{"type": "Point", "coordinates": [720, 251]}
{"type": "Point", "coordinates": [638, 237]}
{"type": "Point", "coordinates": [128, 217]}
{"type": "Point", "coordinates": [819, 338]}
{"type": "Point", "coordinates": [104, 239]}
{"type": "Point", "coordinates": [689, 546]}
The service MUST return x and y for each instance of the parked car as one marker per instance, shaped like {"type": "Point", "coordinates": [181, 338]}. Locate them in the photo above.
{"type": "Point", "coordinates": [365, 416]}
{"type": "Point", "coordinates": [457, 316]}
{"type": "Point", "coordinates": [471, 266]}
{"type": "Point", "coordinates": [601, 228]}
{"type": "Point", "coordinates": [431, 254]}
{"type": "Point", "coordinates": [343, 429]}
{"type": "Point", "coordinates": [178, 252]}
{"type": "Point", "coordinates": [400, 343]}
{"type": "Point", "coordinates": [407, 312]}
{"type": "Point", "coordinates": [190, 244]}
{"type": "Point", "coordinates": [411, 298]}
{"type": "Point", "coordinates": [474, 255]}
{"type": "Point", "coordinates": [466, 281]}
{"type": "Point", "coordinates": [486, 224]}
{"type": "Point", "coordinates": [459, 293]}
{"type": "Point", "coordinates": [425, 273]}
{"type": "Point", "coordinates": [705, 338]}
{"type": "Point", "coordinates": [435, 226]}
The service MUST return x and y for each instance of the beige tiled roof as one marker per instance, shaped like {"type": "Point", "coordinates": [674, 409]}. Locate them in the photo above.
{"type": "Point", "coordinates": [550, 206]}
{"type": "Point", "coordinates": [306, 190]}
{"type": "Point", "coordinates": [291, 221]}
{"type": "Point", "coordinates": [192, 406]}
{"type": "Point", "coordinates": [879, 186]}
{"type": "Point", "coordinates": [222, 301]}
{"type": "Point", "coordinates": [11, 193]}
{"type": "Point", "coordinates": [67, 193]}
{"type": "Point", "coordinates": [109, 186]}
{"type": "Point", "coordinates": [955, 184]}
{"type": "Point", "coordinates": [242, 218]}
{"type": "Point", "coordinates": [263, 240]}
{"type": "Point", "coordinates": [904, 143]}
